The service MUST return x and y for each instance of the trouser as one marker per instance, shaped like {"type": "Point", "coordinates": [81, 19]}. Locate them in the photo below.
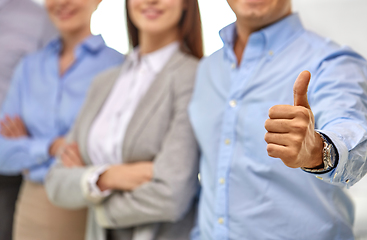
{"type": "Point", "coordinates": [117, 235]}
{"type": "Point", "coordinates": [9, 189]}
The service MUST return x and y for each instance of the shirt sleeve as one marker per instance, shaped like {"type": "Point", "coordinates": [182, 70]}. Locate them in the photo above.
{"type": "Point", "coordinates": [338, 98]}
{"type": "Point", "coordinates": [89, 185]}
{"type": "Point", "coordinates": [38, 173]}
{"type": "Point", "coordinates": [19, 154]}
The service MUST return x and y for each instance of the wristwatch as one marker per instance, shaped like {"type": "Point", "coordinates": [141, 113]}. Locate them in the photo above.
{"type": "Point", "coordinates": [329, 157]}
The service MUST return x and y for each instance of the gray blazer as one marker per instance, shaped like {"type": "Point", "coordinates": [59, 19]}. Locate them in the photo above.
{"type": "Point", "coordinates": [159, 131]}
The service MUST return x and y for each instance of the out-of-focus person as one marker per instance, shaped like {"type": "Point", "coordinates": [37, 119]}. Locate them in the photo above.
{"type": "Point", "coordinates": [132, 155]}
{"type": "Point", "coordinates": [47, 90]}
{"type": "Point", "coordinates": [18, 37]}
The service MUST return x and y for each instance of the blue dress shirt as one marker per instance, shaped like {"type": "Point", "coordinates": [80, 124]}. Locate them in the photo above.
{"type": "Point", "coordinates": [49, 103]}
{"type": "Point", "coordinates": [247, 195]}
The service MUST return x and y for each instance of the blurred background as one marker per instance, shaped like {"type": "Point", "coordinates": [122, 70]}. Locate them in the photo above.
{"type": "Point", "coordinates": [341, 20]}
{"type": "Point", "coordinates": [344, 21]}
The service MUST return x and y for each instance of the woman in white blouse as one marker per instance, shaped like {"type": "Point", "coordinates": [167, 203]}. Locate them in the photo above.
{"type": "Point", "coordinates": [132, 157]}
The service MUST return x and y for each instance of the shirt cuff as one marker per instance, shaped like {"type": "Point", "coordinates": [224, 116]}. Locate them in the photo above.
{"type": "Point", "coordinates": [89, 184]}
{"type": "Point", "coordinates": [337, 176]}
{"type": "Point", "coordinates": [39, 149]}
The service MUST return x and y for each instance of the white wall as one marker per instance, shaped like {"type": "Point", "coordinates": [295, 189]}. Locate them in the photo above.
{"type": "Point", "coordinates": [342, 20]}
{"type": "Point", "coordinates": [109, 20]}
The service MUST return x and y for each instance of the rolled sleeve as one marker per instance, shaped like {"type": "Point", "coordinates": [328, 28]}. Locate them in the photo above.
{"type": "Point", "coordinates": [89, 186]}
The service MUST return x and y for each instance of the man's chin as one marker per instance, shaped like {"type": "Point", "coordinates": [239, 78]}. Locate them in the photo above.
{"type": "Point", "coordinates": [254, 16]}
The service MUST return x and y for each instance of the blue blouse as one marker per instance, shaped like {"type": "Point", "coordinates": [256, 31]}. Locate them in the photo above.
{"type": "Point", "coordinates": [49, 103]}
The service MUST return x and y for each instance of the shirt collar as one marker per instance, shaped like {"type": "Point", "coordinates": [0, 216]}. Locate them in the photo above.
{"type": "Point", "coordinates": [92, 44]}
{"type": "Point", "coordinates": [272, 38]}
{"type": "Point", "coordinates": [155, 60]}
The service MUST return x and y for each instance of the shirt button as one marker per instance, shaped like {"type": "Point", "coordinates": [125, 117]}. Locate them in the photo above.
{"type": "Point", "coordinates": [271, 53]}
{"type": "Point", "coordinates": [220, 220]}
{"type": "Point", "coordinates": [222, 180]}
{"type": "Point", "coordinates": [227, 141]}
{"type": "Point", "coordinates": [347, 181]}
{"type": "Point", "coordinates": [233, 103]}
{"type": "Point", "coordinates": [233, 66]}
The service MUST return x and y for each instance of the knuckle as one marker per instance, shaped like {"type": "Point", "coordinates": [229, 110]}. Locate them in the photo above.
{"type": "Point", "coordinates": [267, 137]}
{"type": "Point", "coordinates": [269, 149]}
{"type": "Point", "coordinates": [272, 111]}
{"type": "Point", "coordinates": [267, 124]}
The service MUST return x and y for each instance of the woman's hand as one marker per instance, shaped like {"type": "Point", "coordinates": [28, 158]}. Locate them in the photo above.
{"type": "Point", "coordinates": [126, 177]}
{"type": "Point", "coordinates": [13, 127]}
{"type": "Point", "coordinates": [57, 146]}
{"type": "Point", "coordinates": [71, 157]}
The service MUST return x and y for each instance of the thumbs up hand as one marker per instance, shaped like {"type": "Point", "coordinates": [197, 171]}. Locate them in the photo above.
{"type": "Point", "coordinates": [291, 135]}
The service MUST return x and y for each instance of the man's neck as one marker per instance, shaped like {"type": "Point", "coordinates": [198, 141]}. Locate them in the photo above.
{"type": "Point", "coordinates": [244, 30]}
{"type": "Point", "coordinates": [243, 34]}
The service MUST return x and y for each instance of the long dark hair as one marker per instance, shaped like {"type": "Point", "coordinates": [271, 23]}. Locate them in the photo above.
{"type": "Point", "coordinates": [190, 29]}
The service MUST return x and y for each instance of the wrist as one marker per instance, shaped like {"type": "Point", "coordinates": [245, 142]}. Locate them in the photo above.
{"type": "Point", "coordinates": [104, 182]}
{"type": "Point", "coordinates": [316, 160]}
{"type": "Point", "coordinates": [329, 157]}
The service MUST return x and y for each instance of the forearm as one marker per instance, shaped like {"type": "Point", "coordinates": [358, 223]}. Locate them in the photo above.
{"type": "Point", "coordinates": [125, 177]}
{"type": "Point", "coordinates": [338, 99]}
{"type": "Point", "coordinates": [17, 155]}
{"type": "Point", "coordinates": [150, 203]}
{"type": "Point", "coordinates": [63, 186]}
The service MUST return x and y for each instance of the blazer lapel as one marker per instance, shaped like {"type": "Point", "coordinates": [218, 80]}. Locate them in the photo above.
{"type": "Point", "coordinates": [95, 107]}
{"type": "Point", "coordinates": [148, 104]}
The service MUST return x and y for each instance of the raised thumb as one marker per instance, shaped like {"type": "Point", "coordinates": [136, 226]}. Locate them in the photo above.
{"type": "Point", "coordinates": [300, 89]}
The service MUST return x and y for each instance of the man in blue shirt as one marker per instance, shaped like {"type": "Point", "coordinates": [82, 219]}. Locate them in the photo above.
{"type": "Point", "coordinates": [288, 186]}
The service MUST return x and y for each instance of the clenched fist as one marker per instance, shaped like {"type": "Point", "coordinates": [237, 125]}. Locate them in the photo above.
{"type": "Point", "coordinates": [291, 134]}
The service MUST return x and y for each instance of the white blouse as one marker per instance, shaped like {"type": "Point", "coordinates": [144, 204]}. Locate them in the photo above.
{"type": "Point", "coordinates": [107, 134]}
